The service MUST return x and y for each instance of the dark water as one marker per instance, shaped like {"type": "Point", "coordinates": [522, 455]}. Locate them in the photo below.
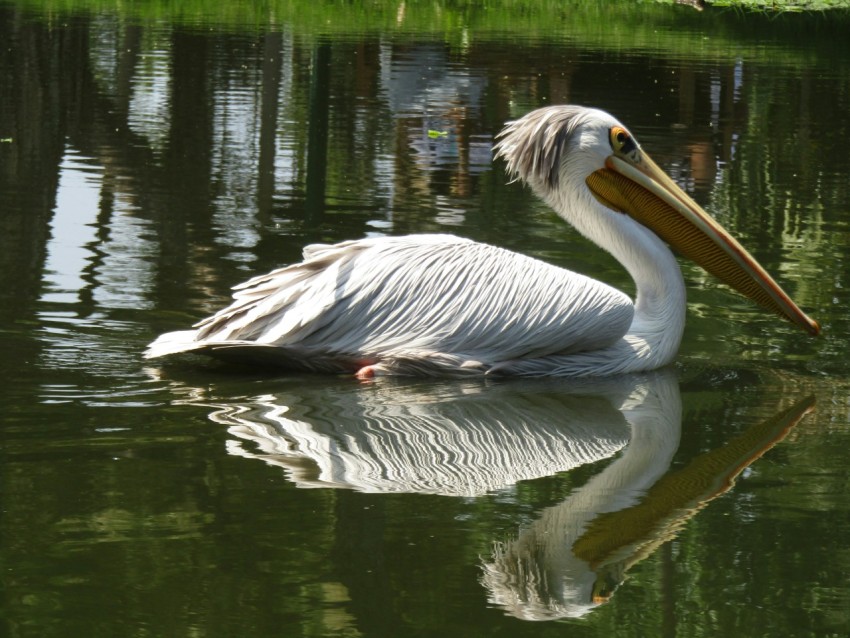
{"type": "Point", "coordinates": [151, 160]}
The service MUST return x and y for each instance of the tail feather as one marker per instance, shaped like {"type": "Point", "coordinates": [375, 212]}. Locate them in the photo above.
{"type": "Point", "coordinates": [292, 357]}
{"type": "Point", "coordinates": [172, 343]}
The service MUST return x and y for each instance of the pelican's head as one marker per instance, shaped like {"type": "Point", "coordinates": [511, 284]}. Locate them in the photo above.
{"type": "Point", "coordinates": [576, 157]}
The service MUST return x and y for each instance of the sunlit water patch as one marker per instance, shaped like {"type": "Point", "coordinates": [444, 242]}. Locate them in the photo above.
{"type": "Point", "coordinates": [236, 133]}
{"type": "Point", "coordinates": [98, 263]}
{"type": "Point", "coordinates": [151, 92]}
{"type": "Point", "coordinates": [73, 229]}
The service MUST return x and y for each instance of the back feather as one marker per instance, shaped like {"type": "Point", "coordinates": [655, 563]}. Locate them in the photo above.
{"type": "Point", "coordinates": [428, 302]}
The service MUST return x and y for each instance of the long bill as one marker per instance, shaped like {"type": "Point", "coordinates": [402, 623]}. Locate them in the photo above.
{"type": "Point", "coordinates": [642, 190]}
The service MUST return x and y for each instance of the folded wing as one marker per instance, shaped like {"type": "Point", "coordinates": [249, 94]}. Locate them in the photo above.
{"type": "Point", "coordinates": [426, 302]}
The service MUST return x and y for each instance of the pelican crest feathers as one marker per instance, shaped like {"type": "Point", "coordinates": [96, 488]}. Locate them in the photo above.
{"type": "Point", "coordinates": [533, 146]}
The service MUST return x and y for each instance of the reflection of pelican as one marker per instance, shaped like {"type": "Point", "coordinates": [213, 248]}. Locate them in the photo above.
{"type": "Point", "coordinates": [459, 440]}
{"type": "Point", "coordinates": [537, 576]}
{"type": "Point", "coordinates": [435, 304]}
{"type": "Point", "coordinates": [576, 554]}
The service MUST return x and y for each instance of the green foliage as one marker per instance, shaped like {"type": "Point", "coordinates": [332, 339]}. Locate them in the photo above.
{"type": "Point", "coordinates": [784, 5]}
{"type": "Point", "coordinates": [658, 25]}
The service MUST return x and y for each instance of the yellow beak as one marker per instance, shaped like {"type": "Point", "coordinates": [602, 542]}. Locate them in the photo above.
{"type": "Point", "coordinates": [635, 185]}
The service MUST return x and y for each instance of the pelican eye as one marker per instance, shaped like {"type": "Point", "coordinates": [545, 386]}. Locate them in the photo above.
{"type": "Point", "coordinates": [621, 141]}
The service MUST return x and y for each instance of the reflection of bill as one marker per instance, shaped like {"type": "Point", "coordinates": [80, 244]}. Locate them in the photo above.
{"type": "Point", "coordinates": [578, 552]}
{"type": "Point", "coordinates": [537, 575]}
{"type": "Point", "coordinates": [467, 438]}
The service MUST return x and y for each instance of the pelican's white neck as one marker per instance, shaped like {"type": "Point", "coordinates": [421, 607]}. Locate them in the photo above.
{"type": "Point", "coordinates": [660, 305]}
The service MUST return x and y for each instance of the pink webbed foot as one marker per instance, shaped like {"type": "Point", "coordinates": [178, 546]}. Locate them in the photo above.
{"type": "Point", "coordinates": [365, 373]}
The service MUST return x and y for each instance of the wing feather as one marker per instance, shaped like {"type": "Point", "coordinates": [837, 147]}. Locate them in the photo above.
{"type": "Point", "coordinates": [427, 299]}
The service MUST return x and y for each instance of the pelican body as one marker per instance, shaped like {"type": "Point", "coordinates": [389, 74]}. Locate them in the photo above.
{"type": "Point", "coordinates": [444, 305]}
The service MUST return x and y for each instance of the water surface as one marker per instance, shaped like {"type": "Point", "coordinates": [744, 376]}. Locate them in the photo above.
{"type": "Point", "coordinates": [151, 160]}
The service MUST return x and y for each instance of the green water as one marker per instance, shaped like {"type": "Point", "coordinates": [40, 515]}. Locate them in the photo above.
{"type": "Point", "coordinates": [153, 156]}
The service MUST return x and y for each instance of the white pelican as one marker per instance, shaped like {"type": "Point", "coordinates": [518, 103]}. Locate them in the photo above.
{"type": "Point", "coordinates": [438, 304]}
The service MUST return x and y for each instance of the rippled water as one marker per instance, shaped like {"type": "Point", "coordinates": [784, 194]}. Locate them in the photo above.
{"type": "Point", "coordinates": [148, 162]}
